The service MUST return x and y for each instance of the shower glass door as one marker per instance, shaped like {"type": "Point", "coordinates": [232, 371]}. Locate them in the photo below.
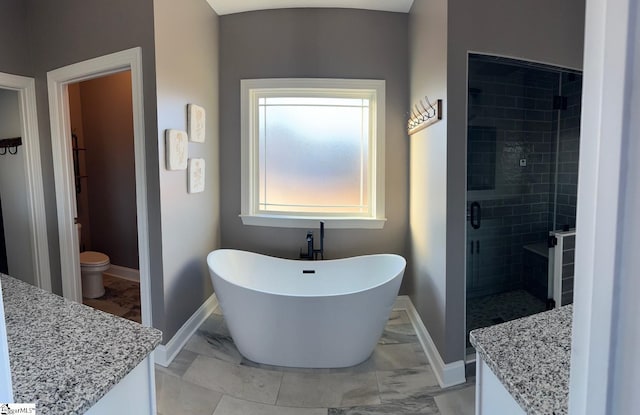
{"type": "Point", "coordinates": [522, 156]}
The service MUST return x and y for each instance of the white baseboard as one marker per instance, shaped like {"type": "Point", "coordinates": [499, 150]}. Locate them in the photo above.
{"type": "Point", "coordinates": [124, 273]}
{"type": "Point", "coordinates": [448, 374]}
{"type": "Point", "coordinates": [165, 353]}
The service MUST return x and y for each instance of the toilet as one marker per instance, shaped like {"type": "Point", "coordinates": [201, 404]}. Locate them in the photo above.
{"type": "Point", "coordinates": [92, 265]}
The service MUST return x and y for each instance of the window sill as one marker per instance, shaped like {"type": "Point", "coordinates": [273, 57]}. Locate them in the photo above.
{"type": "Point", "coordinates": [300, 222]}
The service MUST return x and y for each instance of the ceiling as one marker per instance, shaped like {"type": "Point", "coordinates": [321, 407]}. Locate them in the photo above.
{"type": "Point", "coordinates": [236, 6]}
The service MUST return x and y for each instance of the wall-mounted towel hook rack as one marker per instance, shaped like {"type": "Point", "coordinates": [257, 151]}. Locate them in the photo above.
{"type": "Point", "coordinates": [425, 115]}
{"type": "Point", "coordinates": [425, 109]}
{"type": "Point", "coordinates": [10, 145]}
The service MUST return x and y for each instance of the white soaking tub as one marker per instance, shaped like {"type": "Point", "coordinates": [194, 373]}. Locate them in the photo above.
{"type": "Point", "coordinates": [313, 314]}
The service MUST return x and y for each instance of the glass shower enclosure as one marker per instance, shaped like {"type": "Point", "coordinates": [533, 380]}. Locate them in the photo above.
{"type": "Point", "coordinates": [523, 132]}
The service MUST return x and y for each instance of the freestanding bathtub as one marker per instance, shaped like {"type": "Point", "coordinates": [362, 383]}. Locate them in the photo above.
{"type": "Point", "coordinates": [313, 314]}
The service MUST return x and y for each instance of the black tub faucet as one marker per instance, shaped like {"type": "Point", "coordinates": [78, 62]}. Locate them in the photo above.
{"type": "Point", "coordinates": [321, 250]}
{"type": "Point", "coordinates": [313, 253]}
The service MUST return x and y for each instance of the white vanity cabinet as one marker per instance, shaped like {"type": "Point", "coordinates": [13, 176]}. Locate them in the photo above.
{"type": "Point", "coordinates": [6, 393]}
{"type": "Point", "coordinates": [94, 362]}
{"type": "Point", "coordinates": [491, 395]}
{"type": "Point", "coordinates": [134, 394]}
{"type": "Point", "coordinates": [522, 366]}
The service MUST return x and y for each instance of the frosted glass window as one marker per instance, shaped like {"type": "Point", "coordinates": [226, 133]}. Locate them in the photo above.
{"type": "Point", "coordinates": [314, 155]}
{"type": "Point", "coordinates": [311, 151]}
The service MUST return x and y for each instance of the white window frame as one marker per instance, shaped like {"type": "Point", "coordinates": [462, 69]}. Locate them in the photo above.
{"type": "Point", "coordinates": [250, 215]}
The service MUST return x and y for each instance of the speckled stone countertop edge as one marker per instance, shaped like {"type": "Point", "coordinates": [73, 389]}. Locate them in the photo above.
{"type": "Point", "coordinates": [486, 357]}
{"type": "Point", "coordinates": [530, 397]}
{"type": "Point", "coordinates": [66, 356]}
{"type": "Point", "coordinates": [117, 377]}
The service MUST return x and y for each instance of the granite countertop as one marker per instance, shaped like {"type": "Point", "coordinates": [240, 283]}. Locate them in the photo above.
{"type": "Point", "coordinates": [531, 357]}
{"type": "Point", "coordinates": [65, 356]}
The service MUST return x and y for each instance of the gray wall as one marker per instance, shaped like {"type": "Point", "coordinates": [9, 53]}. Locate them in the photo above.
{"type": "Point", "coordinates": [107, 132]}
{"type": "Point", "coordinates": [320, 43]}
{"type": "Point", "coordinates": [14, 50]}
{"type": "Point", "coordinates": [70, 31]}
{"type": "Point", "coordinates": [14, 59]}
{"type": "Point", "coordinates": [13, 181]}
{"type": "Point", "coordinates": [186, 38]}
{"type": "Point", "coordinates": [428, 76]}
{"type": "Point", "coordinates": [497, 27]}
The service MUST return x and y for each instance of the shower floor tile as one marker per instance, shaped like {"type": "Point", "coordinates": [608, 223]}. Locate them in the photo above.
{"type": "Point", "coordinates": [499, 308]}
{"type": "Point", "coordinates": [396, 379]}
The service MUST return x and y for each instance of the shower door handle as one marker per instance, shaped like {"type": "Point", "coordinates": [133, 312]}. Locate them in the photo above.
{"type": "Point", "coordinates": [475, 215]}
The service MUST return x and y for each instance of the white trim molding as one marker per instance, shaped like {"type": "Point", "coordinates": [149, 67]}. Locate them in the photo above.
{"type": "Point", "coordinates": [165, 353]}
{"type": "Point", "coordinates": [58, 81]}
{"type": "Point", "coordinates": [447, 374]}
{"type": "Point", "coordinates": [604, 358]}
{"type": "Point", "coordinates": [124, 273]}
{"type": "Point", "coordinates": [33, 172]}
{"type": "Point", "coordinates": [372, 202]}
{"type": "Point", "coordinates": [310, 223]}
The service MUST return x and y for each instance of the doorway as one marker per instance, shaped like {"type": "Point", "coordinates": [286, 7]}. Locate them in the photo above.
{"type": "Point", "coordinates": [12, 196]}
{"type": "Point", "coordinates": [24, 252]}
{"type": "Point", "coordinates": [101, 118]}
{"type": "Point", "coordinates": [4, 262]}
{"type": "Point", "coordinates": [60, 83]}
{"type": "Point", "coordinates": [523, 130]}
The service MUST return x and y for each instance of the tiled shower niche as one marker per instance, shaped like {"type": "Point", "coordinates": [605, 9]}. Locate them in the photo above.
{"type": "Point", "coordinates": [522, 170]}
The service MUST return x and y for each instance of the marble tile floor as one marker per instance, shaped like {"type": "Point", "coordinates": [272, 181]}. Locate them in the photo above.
{"type": "Point", "coordinates": [121, 298]}
{"type": "Point", "coordinates": [209, 376]}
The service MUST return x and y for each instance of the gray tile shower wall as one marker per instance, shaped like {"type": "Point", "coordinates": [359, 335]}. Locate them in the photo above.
{"type": "Point", "coordinates": [568, 256]}
{"type": "Point", "coordinates": [495, 251]}
{"type": "Point", "coordinates": [481, 162]}
{"type": "Point", "coordinates": [510, 114]}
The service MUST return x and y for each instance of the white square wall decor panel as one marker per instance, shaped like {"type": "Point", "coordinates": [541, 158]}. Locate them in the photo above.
{"type": "Point", "coordinates": [196, 176]}
{"type": "Point", "coordinates": [196, 122]}
{"type": "Point", "coordinates": [177, 148]}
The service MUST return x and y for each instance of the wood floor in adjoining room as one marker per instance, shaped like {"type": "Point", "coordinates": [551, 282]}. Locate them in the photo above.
{"type": "Point", "coordinates": [121, 298]}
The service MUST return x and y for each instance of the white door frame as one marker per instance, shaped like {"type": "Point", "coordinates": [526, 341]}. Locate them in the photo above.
{"type": "Point", "coordinates": [26, 89]}
{"type": "Point", "coordinates": [58, 81]}
{"type": "Point", "coordinates": [604, 359]}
